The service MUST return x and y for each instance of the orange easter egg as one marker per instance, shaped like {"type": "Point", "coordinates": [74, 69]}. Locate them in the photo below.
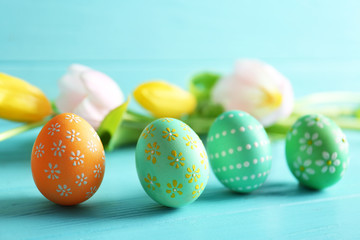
{"type": "Point", "coordinates": [68, 160]}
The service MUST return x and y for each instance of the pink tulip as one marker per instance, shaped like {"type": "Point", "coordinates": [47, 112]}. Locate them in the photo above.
{"type": "Point", "coordinates": [257, 88]}
{"type": "Point", "coordinates": [88, 93]}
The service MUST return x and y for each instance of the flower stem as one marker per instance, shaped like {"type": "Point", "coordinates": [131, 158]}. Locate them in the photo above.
{"type": "Point", "coordinates": [282, 127]}
{"type": "Point", "coordinates": [26, 127]}
{"type": "Point", "coordinates": [329, 97]}
{"type": "Point", "coordinates": [331, 104]}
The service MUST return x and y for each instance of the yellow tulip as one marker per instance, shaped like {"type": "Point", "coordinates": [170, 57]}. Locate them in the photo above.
{"type": "Point", "coordinates": [165, 100]}
{"type": "Point", "coordinates": [21, 101]}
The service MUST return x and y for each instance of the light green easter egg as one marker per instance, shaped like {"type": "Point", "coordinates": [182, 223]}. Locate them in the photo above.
{"type": "Point", "coordinates": [317, 151]}
{"type": "Point", "coordinates": [239, 151]}
{"type": "Point", "coordinates": [171, 162]}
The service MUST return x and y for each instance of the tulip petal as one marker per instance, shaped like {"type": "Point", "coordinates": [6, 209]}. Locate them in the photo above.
{"type": "Point", "coordinates": [102, 90]}
{"type": "Point", "coordinates": [89, 112]}
{"type": "Point", "coordinates": [165, 100]}
{"type": "Point", "coordinates": [66, 102]}
{"type": "Point", "coordinates": [21, 101]}
{"type": "Point", "coordinates": [88, 93]}
{"type": "Point", "coordinates": [258, 89]}
{"type": "Point", "coordinates": [72, 90]}
{"type": "Point", "coordinates": [71, 82]}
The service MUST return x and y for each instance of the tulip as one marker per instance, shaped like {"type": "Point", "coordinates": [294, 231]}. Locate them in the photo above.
{"type": "Point", "coordinates": [257, 88]}
{"type": "Point", "coordinates": [88, 93]}
{"type": "Point", "coordinates": [21, 101]}
{"type": "Point", "coordinates": [165, 100]}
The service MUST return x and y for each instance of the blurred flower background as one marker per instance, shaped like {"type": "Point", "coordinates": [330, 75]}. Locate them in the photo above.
{"type": "Point", "coordinates": [257, 88]}
{"type": "Point", "coordinates": [165, 62]}
{"type": "Point", "coordinates": [88, 93]}
{"type": "Point", "coordinates": [121, 64]}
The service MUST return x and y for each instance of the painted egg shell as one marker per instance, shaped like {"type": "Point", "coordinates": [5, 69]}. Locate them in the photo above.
{"type": "Point", "coordinates": [171, 162]}
{"type": "Point", "coordinates": [68, 160]}
{"type": "Point", "coordinates": [239, 151]}
{"type": "Point", "coordinates": [317, 151]}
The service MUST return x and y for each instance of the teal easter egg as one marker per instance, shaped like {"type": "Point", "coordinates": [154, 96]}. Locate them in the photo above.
{"type": "Point", "coordinates": [239, 151]}
{"type": "Point", "coordinates": [317, 151]}
{"type": "Point", "coordinates": [171, 162]}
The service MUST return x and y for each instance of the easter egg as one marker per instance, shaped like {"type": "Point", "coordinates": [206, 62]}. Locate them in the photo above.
{"type": "Point", "coordinates": [317, 151]}
{"type": "Point", "coordinates": [171, 162]}
{"type": "Point", "coordinates": [68, 160]}
{"type": "Point", "coordinates": [239, 151]}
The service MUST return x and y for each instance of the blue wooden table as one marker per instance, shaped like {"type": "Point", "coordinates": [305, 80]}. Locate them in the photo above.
{"type": "Point", "coordinates": [316, 44]}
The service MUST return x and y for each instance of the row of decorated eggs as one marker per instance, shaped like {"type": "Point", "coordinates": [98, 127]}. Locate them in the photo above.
{"type": "Point", "coordinates": [68, 160]}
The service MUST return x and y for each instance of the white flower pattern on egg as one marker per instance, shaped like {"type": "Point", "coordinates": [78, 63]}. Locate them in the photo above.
{"type": "Point", "coordinates": [72, 135]}
{"type": "Point", "coordinates": [317, 121]}
{"type": "Point", "coordinates": [302, 168]}
{"type": "Point", "coordinates": [91, 192]}
{"type": "Point", "coordinates": [92, 146]}
{"type": "Point", "coordinates": [340, 139]}
{"type": "Point", "coordinates": [97, 170]}
{"type": "Point", "coordinates": [58, 148]}
{"type": "Point", "coordinates": [294, 130]}
{"type": "Point", "coordinates": [344, 166]}
{"type": "Point", "coordinates": [64, 190]}
{"type": "Point", "coordinates": [52, 171]}
{"type": "Point", "coordinates": [328, 163]}
{"type": "Point", "coordinates": [72, 117]}
{"type": "Point", "coordinates": [321, 141]}
{"type": "Point", "coordinates": [53, 129]}
{"type": "Point", "coordinates": [77, 157]}
{"type": "Point", "coordinates": [94, 134]}
{"type": "Point", "coordinates": [81, 179]}
{"type": "Point", "coordinates": [309, 141]}
{"type": "Point", "coordinates": [39, 150]}
{"type": "Point", "coordinates": [63, 168]}
{"type": "Point", "coordinates": [103, 156]}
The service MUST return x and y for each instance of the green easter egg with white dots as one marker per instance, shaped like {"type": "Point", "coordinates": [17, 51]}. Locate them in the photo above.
{"type": "Point", "coordinates": [171, 162]}
{"type": "Point", "coordinates": [317, 151]}
{"type": "Point", "coordinates": [239, 151]}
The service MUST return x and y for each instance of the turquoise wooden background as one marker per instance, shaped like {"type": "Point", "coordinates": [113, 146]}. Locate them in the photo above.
{"type": "Point", "coordinates": [316, 44]}
{"type": "Point", "coordinates": [171, 30]}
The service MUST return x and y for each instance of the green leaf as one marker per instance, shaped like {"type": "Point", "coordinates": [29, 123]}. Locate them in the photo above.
{"type": "Point", "coordinates": [200, 125]}
{"type": "Point", "coordinates": [202, 84]}
{"type": "Point", "coordinates": [137, 117]}
{"type": "Point", "coordinates": [54, 108]}
{"type": "Point", "coordinates": [208, 109]}
{"type": "Point", "coordinates": [109, 126]}
{"type": "Point", "coordinates": [23, 128]}
{"type": "Point", "coordinates": [357, 113]}
{"type": "Point", "coordinates": [126, 135]}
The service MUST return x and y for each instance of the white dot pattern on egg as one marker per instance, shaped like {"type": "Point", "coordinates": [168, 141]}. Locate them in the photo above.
{"type": "Point", "coordinates": [240, 160]}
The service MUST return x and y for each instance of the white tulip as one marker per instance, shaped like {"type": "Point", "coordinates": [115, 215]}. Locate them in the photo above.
{"type": "Point", "coordinates": [257, 88]}
{"type": "Point", "coordinates": [88, 93]}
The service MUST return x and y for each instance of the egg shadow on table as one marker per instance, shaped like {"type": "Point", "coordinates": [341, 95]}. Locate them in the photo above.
{"type": "Point", "coordinates": [137, 207]}
{"type": "Point", "coordinates": [285, 189]}
{"type": "Point", "coordinates": [274, 189]}
{"type": "Point", "coordinates": [37, 207]}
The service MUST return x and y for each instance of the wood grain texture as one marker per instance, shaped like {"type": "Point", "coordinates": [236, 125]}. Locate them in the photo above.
{"type": "Point", "coordinates": [109, 29]}
{"type": "Point", "coordinates": [316, 44]}
{"type": "Point", "coordinates": [279, 210]}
